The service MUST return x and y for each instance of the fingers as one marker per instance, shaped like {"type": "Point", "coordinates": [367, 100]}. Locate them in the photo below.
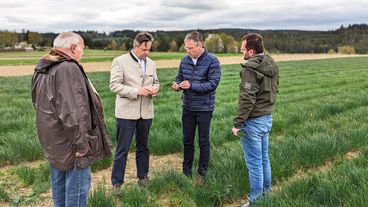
{"type": "Point", "coordinates": [175, 86]}
{"type": "Point", "coordinates": [184, 85]}
{"type": "Point", "coordinates": [148, 91]}
{"type": "Point", "coordinates": [143, 91]}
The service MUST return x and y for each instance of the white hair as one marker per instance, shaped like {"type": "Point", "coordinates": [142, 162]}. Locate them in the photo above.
{"type": "Point", "coordinates": [66, 40]}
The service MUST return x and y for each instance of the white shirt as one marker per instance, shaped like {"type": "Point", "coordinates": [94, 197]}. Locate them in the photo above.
{"type": "Point", "coordinates": [143, 64]}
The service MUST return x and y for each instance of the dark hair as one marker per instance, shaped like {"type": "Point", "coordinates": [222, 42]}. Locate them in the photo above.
{"type": "Point", "coordinates": [195, 36]}
{"type": "Point", "coordinates": [142, 37]}
{"type": "Point", "coordinates": [255, 42]}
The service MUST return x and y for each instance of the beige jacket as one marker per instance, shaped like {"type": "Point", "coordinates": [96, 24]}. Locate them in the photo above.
{"type": "Point", "coordinates": [125, 80]}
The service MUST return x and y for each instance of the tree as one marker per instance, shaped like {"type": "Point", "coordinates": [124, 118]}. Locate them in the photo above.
{"type": "Point", "coordinates": [112, 46]}
{"type": "Point", "coordinates": [214, 43]}
{"type": "Point", "coordinates": [8, 39]}
{"type": "Point", "coordinates": [34, 38]}
{"type": "Point", "coordinates": [173, 47]}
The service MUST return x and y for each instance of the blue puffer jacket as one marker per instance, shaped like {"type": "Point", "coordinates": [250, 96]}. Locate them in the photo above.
{"type": "Point", "coordinates": [203, 77]}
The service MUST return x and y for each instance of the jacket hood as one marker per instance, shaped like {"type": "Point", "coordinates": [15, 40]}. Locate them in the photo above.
{"type": "Point", "coordinates": [263, 64]}
{"type": "Point", "coordinates": [54, 57]}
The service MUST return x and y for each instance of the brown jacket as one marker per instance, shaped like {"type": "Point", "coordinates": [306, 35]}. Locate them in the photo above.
{"type": "Point", "coordinates": [69, 113]}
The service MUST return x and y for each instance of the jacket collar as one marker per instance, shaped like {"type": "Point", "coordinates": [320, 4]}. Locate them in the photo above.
{"type": "Point", "coordinates": [134, 58]}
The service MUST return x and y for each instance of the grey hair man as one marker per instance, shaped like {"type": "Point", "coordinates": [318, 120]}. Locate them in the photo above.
{"type": "Point", "coordinates": [69, 120]}
{"type": "Point", "coordinates": [134, 81]}
{"type": "Point", "coordinates": [198, 76]}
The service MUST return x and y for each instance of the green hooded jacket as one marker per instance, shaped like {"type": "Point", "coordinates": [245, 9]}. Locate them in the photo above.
{"type": "Point", "coordinates": [258, 88]}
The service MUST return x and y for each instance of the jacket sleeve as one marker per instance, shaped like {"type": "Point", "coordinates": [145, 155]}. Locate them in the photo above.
{"type": "Point", "coordinates": [213, 79]}
{"type": "Point", "coordinates": [248, 90]}
{"type": "Point", "coordinates": [73, 105]}
{"type": "Point", "coordinates": [117, 82]}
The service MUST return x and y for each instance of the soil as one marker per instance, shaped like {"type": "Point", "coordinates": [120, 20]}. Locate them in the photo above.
{"type": "Point", "coordinates": [105, 66]}
{"type": "Point", "coordinates": [157, 163]}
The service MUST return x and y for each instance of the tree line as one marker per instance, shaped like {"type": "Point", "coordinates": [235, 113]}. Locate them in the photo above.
{"type": "Point", "coordinates": [349, 39]}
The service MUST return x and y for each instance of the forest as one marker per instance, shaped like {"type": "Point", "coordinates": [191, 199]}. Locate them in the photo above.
{"type": "Point", "coordinates": [346, 39]}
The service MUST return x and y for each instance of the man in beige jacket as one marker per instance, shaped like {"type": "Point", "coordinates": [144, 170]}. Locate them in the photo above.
{"type": "Point", "coordinates": [134, 80]}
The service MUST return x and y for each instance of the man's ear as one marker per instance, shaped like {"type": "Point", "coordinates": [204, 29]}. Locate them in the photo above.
{"type": "Point", "coordinates": [252, 52]}
{"type": "Point", "coordinates": [73, 48]}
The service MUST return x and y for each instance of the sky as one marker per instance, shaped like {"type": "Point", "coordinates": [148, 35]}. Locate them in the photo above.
{"type": "Point", "coordinates": [152, 15]}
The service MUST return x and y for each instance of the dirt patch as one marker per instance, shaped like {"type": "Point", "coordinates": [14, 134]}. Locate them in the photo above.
{"type": "Point", "coordinates": [163, 162]}
{"type": "Point", "coordinates": [105, 66]}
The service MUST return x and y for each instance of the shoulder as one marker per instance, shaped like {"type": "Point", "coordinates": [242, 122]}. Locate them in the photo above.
{"type": "Point", "coordinates": [210, 56]}
{"type": "Point", "coordinates": [123, 57]}
{"type": "Point", "coordinates": [68, 69]}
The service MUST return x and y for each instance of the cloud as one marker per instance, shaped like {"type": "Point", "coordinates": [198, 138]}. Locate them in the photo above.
{"type": "Point", "coordinates": [110, 15]}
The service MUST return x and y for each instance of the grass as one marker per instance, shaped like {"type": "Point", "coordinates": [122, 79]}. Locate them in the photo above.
{"type": "Point", "coordinates": [39, 177]}
{"type": "Point", "coordinates": [99, 197]}
{"type": "Point", "coordinates": [321, 114]}
{"type": "Point", "coordinates": [31, 58]}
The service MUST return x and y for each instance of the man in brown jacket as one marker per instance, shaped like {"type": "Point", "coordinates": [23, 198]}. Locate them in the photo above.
{"type": "Point", "coordinates": [134, 81]}
{"type": "Point", "coordinates": [69, 120]}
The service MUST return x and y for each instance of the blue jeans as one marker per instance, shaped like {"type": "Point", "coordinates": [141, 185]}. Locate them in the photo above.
{"type": "Point", "coordinates": [255, 147]}
{"type": "Point", "coordinates": [192, 119]}
{"type": "Point", "coordinates": [70, 187]}
{"type": "Point", "coordinates": [125, 130]}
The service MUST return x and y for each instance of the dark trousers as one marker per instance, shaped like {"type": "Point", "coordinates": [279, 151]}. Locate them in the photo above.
{"type": "Point", "coordinates": [125, 130]}
{"type": "Point", "coordinates": [192, 119]}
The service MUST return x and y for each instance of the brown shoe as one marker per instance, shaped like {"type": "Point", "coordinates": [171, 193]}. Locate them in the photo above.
{"type": "Point", "coordinates": [143, 182]}
{"type": "Point", "coordinates": [199, 181]}
{"type": "Point", "coordinates": [116, 189]}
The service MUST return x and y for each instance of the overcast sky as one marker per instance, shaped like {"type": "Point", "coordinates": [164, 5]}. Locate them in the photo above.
{"type": "Point", "coordinates": [152, 15]}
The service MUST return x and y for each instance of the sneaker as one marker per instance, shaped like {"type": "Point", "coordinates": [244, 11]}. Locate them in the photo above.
{"type": "Point", "coordinates": [116, 189]}
{"type": "Point", "coordinates": [199, 181]}
{"type": "Point", "coordinates": [143, 182]}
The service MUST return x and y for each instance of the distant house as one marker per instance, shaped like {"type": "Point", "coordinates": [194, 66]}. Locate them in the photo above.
{"type": "Point", "coordinates": [28, 49]}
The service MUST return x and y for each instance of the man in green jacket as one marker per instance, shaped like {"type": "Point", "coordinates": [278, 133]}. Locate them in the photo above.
{"type": "Point", "coordinates": [257, 97]}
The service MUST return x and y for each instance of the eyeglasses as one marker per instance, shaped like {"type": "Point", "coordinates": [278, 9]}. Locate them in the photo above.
{"type": "Point", "coordinates": [189, 48]}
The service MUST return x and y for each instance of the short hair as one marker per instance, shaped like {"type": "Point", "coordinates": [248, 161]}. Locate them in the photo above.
{"type": "Point", "coordinates": [66, 39]}
{"type": "Point", "coordinates": [195, 36]}
{"type": "Point", "coordinates": [142, 37]}
{"type": "Point", "coordinates": [255, 42]}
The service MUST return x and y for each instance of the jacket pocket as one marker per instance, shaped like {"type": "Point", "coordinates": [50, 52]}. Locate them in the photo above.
{"type": "Point", "coordinates": [92, 141]}
{"type": "Point", "coordinates": [148, 81]}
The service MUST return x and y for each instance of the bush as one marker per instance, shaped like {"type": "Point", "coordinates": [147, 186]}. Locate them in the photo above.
{"type": "Point", "coordinates": [331, 51]}
{"type": "Point", "coordinates": [346, 50]}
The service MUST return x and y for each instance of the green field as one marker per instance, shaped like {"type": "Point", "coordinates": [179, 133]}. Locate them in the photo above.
{"type": "Point", "coordinates": [321, 115]}
{"type": "Point", "coordinates": [31, 58]}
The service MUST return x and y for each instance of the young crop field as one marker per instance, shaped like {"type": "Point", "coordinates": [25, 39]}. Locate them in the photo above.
{"type": "Point", "coordinates": [31, 58]}
{"type": "Point", "coordinates": [318, 143]}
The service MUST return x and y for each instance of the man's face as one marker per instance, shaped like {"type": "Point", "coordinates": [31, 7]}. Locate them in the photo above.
{"type": "Point", "coordinates": [143, 50]}
{"type": "Point", "coordinates": [79, 51]}
{"type": "Point", "coordinates": [192, 49]}
{"type": "Point", "coordinates": [247, 53]}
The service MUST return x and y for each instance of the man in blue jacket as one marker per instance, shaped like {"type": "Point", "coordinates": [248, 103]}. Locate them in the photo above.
{"type": "Point", "coordinates": [198, 76]}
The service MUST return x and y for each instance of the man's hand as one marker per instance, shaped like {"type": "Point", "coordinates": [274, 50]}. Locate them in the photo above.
{"type": "Point", "coordinates": [185, 84]}
{"type": "Point", "coordinates": [235, 131]}
{"type": "Point", "coordinates": [153, 91]}
{"type": "Point", "coordinates": [143, 91]}
{"type": "Point", "coordinates": [80, 154]}
{"type": "Point", "coordinates": [175, 86]}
